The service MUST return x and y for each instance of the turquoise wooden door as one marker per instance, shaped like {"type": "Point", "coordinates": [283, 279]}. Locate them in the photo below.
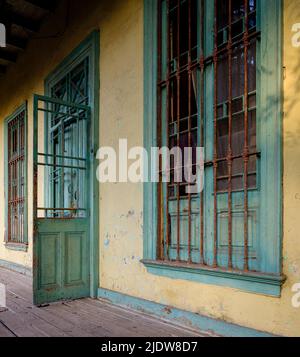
{"type": "Point", "coordinates": [61, 204]}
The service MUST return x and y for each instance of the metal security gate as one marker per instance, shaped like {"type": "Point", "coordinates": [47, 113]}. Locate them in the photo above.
{"type": "Point", "coordinates": [61, 200]}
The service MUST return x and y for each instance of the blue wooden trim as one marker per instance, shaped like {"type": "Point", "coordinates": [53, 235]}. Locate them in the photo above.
{"type": "Point", "coordinates": [20, 109]}
{"type": "Point", "coordinates": [269, 285]}
{"type": "Point", "coordinates": [90, 47]}
{"type": "Point", "coordinates": [199, 322]}
{"type": "Point", "coordinates": [150, 119]}
{"type": "Point", "coordinates": [270, 21]}
{"type": "Point", "coordinates": [17, 247]}
{"type": "Point", "coordinates": [18, 268]}
{"type": "Point", "coordinates": [270, 131]}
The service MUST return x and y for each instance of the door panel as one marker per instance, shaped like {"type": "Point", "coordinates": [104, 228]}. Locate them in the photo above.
{"type": "Point", "coordinates": [49, 257]}
{"type": "Point", "coordinates": [63, 260]}
{"type": "Point", "coordinates": [75, 245]}
{"type": "Point", "coordinates": [61, 207]}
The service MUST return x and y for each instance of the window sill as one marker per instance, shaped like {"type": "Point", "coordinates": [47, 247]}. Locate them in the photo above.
{"type": "Point", "coordinates": [19, 247]}
{"type": "Point", "coordinates": [264, 284]}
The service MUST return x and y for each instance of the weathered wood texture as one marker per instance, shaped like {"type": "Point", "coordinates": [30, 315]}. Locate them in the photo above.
{"type": "Point", "coordinates": [81, 318]}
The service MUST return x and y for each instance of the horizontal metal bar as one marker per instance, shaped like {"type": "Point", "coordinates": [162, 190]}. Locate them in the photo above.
{"type": "Point", "coordinates": [63, 157]}
{"type": "Point", "coordinates": [70, 218]}
{"type": "Point", "coordinates": [210, 163]}
{"type": "Point", "coordinates": [61, 209]}
{"type": "Point", "coordinates": [209, 59]}
{"type": "Point", "coordinates": [61, 102]}
{"type": "Point", "coordinates": [63, 166]}
{"type": "Point", "coordinates": [68, 115]}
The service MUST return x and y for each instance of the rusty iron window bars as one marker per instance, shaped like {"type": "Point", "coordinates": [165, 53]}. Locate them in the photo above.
{"type": "Point", "coordinates": [16, 179]}
{"type": "Point", "coordinates": [182, 70]}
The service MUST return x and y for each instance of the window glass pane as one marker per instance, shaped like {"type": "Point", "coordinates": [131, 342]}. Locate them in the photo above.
{"type": "Point", "coordinates": [252, 67]}
{"type": "Point", "coordinates": [238, 73]}
{"type": "Point", "coordinates": [222, 79]}
{"type": "Point", "coordinates": [238, 134]}
{"type": "Point", "coordinates": [222, 132]}
{"type": "Point", "coordinates": [238, 9]}
{"type": "Point", "coordinates": [222, 13]}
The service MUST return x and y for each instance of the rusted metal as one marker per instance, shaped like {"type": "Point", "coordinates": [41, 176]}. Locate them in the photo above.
{"type": "Point", "coordinates": [246, 143]}
{"type": "Point", "coordinates": [16, 179]}
{"type": "Point", "coordinates": [202, 85]}
{"type": "Point", "coordinates": [178, 125]}
{"type": "Point", "coordinates": [168, 233]}
{"type": "Point", "coordinates": [189, 128]}
{"type": "Point", "coordinates": [175, 75]}
{"type": "Point", "coordinates": [234, 157]}
{"type": "Point", "coordinates": [160, 233]}
{"type": "Point", "coordinates": [229, 153]}
{"type": "Point", "coordinates": [215, 163]}
{"type": "Point", "coordinates": [255, 35]}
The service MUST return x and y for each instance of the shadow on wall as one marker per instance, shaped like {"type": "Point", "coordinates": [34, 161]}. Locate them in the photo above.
{"type": "Point", "coordinates": [292, 96]}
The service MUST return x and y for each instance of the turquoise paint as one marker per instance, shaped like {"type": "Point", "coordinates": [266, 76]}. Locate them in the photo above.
{"type": "Point", "coordinates": [271, 119]}
{"type": "Point", "coordinates": [21, 246]}
{"type": "Point", "coordinates": [18, 268]}
{"type": "Point", "coordinates": [269, 285]}
{"type": "Point", "coordinates": [89, 47]}
{"type": "Point", "coordinates": [266, 201]}
{"type": "Point", "coordinates": [17, 247]}
{"type": "Point", "coordinates": [63, 272]}
{"type": "Point", "coordinates": [150, 78]}
{"type": "Point", "coordinates": [61, 246]}
{"type": "Point", "coordinates": [192, 320]}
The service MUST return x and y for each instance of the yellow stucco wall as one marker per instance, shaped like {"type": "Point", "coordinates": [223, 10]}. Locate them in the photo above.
{"type": "Point", "coordinates": [121, 205]}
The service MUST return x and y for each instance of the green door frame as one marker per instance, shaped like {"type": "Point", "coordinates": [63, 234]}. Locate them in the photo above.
{"type": "Point", "coordinates": [89, 47]}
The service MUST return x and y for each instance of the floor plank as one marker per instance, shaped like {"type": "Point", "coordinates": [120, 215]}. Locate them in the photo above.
{"type": "Point", "coordinates": [80, 318]}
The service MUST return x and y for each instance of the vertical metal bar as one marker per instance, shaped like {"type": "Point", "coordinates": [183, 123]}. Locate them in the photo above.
{"type": "Point", "coordinates": [18, 180]}
{"type": "Point", "coordinates": [54, 171]}
{"type": "Point", "coordinates": [23, 177]}
{"type": "Point", "coordinates": [35, 174]}
{"type": "Point", "coordinates": [160, 232]}
{"type": "Point", "coordinates": [168, 238]}
{"type": "Point", "coordinates": [62, 183]}
{"type": "Point", "coordinates": [246, 146]}
{"type": "Point", "coordinates": [19, 174]}
{"type": "Point", "coordinates": [229, 154]}
{"type": "Point", "coordinates": [9, 183]}
{"type": "Point", "coordinates": [178, 126]}
{"type": "Point", "coordinates": [215, 163]}
{"type": "Point", "coordinates": [76, 180]}
{"type": "Point", "coordinates": [189, 127]}
{"type": "Point", "coordinates": [202, 261]}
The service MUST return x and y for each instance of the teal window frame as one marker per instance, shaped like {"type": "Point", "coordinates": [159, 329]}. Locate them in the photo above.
{"type": "Point", "coordinates": [270, 17]}
{"type": "Point", "coordinates": [22, 246]}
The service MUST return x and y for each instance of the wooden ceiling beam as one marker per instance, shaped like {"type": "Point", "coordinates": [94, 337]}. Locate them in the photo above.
{"type": "Point", "coordinates": [22, 21]}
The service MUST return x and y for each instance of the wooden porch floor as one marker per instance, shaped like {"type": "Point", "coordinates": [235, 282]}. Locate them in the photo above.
{"type": "Point", "coordinates": [81, 318]}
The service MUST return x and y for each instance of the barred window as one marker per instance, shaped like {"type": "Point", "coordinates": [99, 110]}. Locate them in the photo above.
{"type": "Point", "coordinates": [16, 180]}
{"type": "Point", "coordinates": [207, 97]}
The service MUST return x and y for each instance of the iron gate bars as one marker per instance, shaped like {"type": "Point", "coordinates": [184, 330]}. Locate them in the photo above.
{"type": "Point", "coordinates": [61, 158]}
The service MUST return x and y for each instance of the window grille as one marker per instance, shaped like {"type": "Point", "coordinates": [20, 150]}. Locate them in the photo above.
{"type": "Point", "coordinates": [16, 196]}
{"type": "Point", "coordinates": [184, 73]}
